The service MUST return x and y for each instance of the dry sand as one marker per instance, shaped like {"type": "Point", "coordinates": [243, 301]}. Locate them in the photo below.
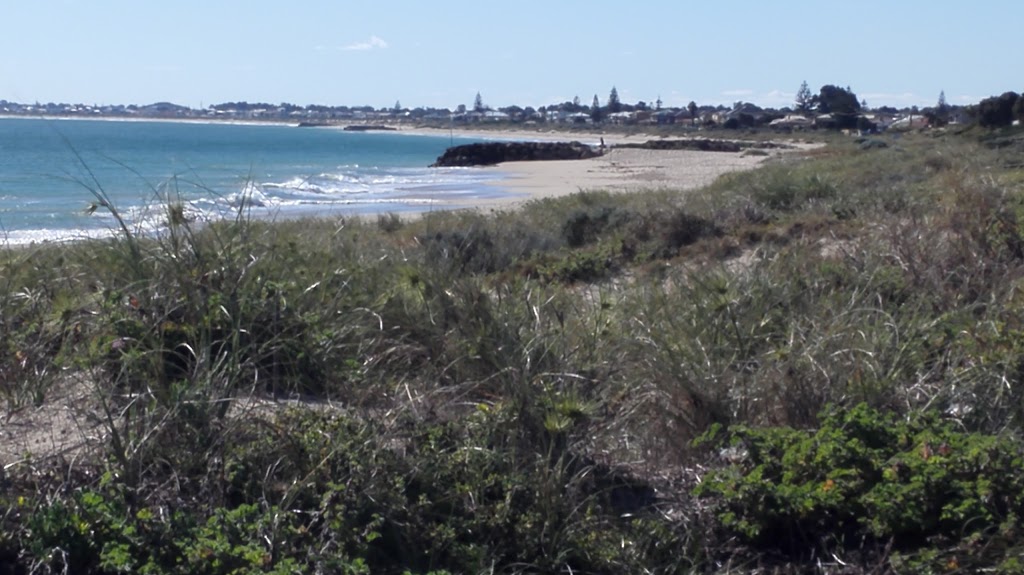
{"type": "Point", "coordinates": [620, 170]}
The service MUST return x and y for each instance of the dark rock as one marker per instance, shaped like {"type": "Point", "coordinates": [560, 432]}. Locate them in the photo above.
{"type": "Point", "coordinates": [491, 153]}
{"type": "Point", "coordinates": [368, 128]}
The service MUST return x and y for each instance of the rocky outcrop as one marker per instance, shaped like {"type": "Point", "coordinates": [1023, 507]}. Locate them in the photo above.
{"type": "Point", "coordinates": [368, 128]}
{"type": "Point", "coordinates": [490, 153]}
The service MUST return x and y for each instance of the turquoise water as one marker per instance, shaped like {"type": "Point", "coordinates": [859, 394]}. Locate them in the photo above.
{"type": "Point", "coordinates": [51, 171]}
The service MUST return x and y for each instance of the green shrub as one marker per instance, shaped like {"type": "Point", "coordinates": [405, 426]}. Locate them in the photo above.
{"type": "Point", "coordinates": [870, 477]}
{"type": "Point", "coordinates": [786, 193]}
{"type": "Point", "coordinates": [389, 222]}
{"type": "Point", "coordinates": [502, 487]}
{"type": "Point", "coordinates": [587, 225]}
{"type": "Point", "coordinates": [467, 251]}
{"type": "Point", "coordinates": [684, 229]}
{"type": "Point", "coordinates": [587, 265]}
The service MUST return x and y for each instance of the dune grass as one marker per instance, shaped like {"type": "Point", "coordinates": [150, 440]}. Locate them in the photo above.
{"type": "Point", "coordinates": [522, 391]}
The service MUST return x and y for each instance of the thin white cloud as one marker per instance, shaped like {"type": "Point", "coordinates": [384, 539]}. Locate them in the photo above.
{"type": "Point", "coordinates": [374, 43]}
{"type": "Point", "coordinates": [739, 92]}
{"type": "Point", "coordinates": [776, 98]}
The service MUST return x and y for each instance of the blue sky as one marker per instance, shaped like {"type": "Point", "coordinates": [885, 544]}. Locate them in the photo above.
{"type": "Point", "coordinates": [441, 53]}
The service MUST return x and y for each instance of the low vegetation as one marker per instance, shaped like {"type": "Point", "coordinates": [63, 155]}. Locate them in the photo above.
{"type": "Point", "coordinates": [810, 367]}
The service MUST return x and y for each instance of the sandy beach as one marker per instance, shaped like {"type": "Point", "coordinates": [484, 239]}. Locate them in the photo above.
{"type": "Point", "coordinates": [619, 170]}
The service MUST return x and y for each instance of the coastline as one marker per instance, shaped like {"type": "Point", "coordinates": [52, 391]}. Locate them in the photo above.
{"type": "Point", "coordinates": [145, 119]}
{"type": "Point", "coordinates": [537, 135]}
{"type": "Point", "coordinates": [511, 184]}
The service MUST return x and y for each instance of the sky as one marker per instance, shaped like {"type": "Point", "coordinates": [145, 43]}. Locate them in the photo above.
{"type": "Point", "coordinates": [441, 53]}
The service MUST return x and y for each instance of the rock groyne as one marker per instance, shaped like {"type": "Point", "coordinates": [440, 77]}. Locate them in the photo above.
{"type": "Point", "coordinates": [491, 153]}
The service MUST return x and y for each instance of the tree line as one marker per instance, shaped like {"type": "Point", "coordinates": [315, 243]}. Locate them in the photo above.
{"type": "Point", "coordinates": [1000, 111]}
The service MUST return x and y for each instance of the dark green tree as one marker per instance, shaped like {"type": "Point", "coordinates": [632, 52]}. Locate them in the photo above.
{"type": "Point", "coordinates": [997, 111]}
{"type": "Point", "coordinates": [614, 105]}
{"type": "Point", "coordinates": [514, 112]}
{"type": "Point", "coordinates": [595, 110]}
{"type": "Point", "coordinates": [939, 116]}
{"type": "Point", "coordinates": [692, 108]}
{"type": "Point", "coordinates": [835, 100]}
{"type": "Point", "coordinates": [478, 103]}
{"type": "Point", "coordinates": [842, 103]}
{"type": "Point", "coordinates": [1018, 109]}
{"type": "Point", "coordinates": [804, 99]}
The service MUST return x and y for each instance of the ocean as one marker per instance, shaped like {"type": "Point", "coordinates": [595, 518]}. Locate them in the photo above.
{"type": "Point", "coordinates": [55, 175]}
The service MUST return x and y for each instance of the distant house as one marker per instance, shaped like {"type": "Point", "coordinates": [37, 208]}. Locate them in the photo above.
{"type": "Point", "coordinates": [665, 117]}
{"type": "Point", "coordinates": [685, 117]}
{"type": "Point", "coordinates": [881, 119]}
{"type": "Point", "coordinates": [495, 116]}
{"type": "Point", "coordinates": [556, 115]}
{"type": "Point", "coordinates": [791, 121]}
{"type": "Point", "coordinates": [622, 118]}
{"type": "Point", "coordinates": [824, 121]}
{"type": "Point", "coordinates": [740, 109]}
{"type": "Point", "coordinates": [910, 122]}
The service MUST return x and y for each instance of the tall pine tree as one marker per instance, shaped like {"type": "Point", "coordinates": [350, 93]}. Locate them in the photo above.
{"type": "Point", "coordinates": [614, 105]}
{"type": "Point", "coordinates": [804, 99]}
